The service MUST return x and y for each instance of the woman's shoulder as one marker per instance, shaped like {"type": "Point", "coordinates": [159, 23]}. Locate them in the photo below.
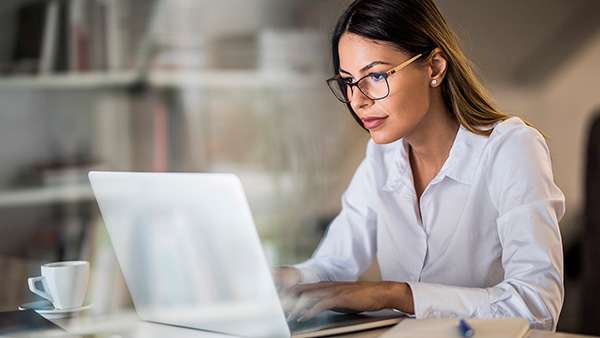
{"type": "Point", "coordinates": [514, 130]}
{"type": "Point", "coordinates": [515, 143]}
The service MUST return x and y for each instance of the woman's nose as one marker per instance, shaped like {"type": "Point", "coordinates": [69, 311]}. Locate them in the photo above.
{"type": "Point", "coordinates": [359, 100]}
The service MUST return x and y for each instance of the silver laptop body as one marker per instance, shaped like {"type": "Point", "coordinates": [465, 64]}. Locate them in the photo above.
{"type": "Point", "coordinates": [191, 256]}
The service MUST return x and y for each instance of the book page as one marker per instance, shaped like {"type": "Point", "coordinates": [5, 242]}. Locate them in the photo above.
{"type": "Point", "coordinates": [448, 327]}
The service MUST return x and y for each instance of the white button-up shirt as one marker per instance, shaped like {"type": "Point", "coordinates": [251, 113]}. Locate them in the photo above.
{"type": "Point", "coordinates": [486, 242]}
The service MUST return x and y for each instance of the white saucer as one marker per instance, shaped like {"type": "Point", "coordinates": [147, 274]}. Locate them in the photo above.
{"type": "Point", "coordinates": [46, 309]}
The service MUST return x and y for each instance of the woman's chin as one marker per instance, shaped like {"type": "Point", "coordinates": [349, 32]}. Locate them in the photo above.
{"type": "Point", "coordinates": [382, 138]}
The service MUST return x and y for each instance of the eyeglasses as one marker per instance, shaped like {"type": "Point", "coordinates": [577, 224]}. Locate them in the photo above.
{"type": "Point", "coordinates": [374, 86]}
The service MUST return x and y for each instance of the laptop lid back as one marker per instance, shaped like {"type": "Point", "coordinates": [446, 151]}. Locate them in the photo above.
{"type": "Point", "coordinates": [189, 251]}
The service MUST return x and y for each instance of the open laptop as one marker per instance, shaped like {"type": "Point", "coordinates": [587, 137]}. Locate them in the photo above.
{"type": "Point", "coordinates": [191, 256]}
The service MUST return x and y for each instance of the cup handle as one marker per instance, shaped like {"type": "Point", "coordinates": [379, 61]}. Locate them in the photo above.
{"type": "Point", "coordinates": [37, 291]}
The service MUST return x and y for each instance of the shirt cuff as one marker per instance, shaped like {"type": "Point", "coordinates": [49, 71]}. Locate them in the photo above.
{"type": "Point", "coordinates": [435, 301]}
{"type": "Point", "coordinates": [307, 274]}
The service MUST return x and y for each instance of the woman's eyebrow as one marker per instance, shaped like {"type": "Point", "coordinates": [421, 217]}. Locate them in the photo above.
{"type": "Point", "coordinates": [367, 67]}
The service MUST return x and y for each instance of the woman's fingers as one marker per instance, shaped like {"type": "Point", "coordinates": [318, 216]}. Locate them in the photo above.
{"type": "Point", "coordinates": [290, 299]}
{"type": "Point", "coordinates": [305, 301]}
{"type": "Point", "coordinates": [313, 299]}
{"type": "Point", "coordinates": [323, 305]}
{"type": "Point", "coordinates": [346, 297]}
{"type": "Point", "coordinates": [289, 295]}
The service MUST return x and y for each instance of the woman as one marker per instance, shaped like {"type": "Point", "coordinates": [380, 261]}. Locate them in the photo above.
{"type": "Point", "coordinates": [455, 199]}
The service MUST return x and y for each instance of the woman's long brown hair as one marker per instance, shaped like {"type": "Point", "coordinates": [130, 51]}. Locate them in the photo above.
{"type": "Point", "coordinates": [417, 27]}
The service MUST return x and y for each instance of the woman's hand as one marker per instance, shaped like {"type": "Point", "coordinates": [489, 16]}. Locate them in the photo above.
{"type": "Point", "coordinates": [349, 297]}
{"type": "Point", "coordinates": [285, 277]}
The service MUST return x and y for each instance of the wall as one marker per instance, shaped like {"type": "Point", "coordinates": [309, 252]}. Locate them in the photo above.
{"type": "Point", "coordinates": [562, 106]}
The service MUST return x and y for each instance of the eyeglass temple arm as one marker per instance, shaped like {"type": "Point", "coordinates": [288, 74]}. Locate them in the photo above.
{"type": "Point", "coordinates": [391, 71]}
{"type": "Point", "coordinates": [404, 64]}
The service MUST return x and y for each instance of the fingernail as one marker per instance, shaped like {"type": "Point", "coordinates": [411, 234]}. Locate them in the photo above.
{"type": "Point", "coordinates": [302, 319]}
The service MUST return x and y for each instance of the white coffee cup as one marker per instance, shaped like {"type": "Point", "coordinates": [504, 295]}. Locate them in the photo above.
{"type": "Point", "coordinates": [64, 283]}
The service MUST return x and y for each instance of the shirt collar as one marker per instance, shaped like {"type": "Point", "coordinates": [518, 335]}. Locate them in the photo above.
{"type": "Point", "coordinates": [460, 166]}
{"type": "Point", "coordinates": [464, 156]}
{"type": "Point", "coordinates": [400, 170]}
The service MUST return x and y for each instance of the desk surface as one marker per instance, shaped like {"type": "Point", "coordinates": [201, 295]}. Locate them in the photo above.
{"type": "Point", "coordinates": [128, 324]}
{"type": "Point", "coordinates": [532, 334]}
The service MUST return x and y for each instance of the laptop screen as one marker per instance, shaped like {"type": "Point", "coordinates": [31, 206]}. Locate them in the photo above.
{"type": "Point", "coordinates": [189, 251]}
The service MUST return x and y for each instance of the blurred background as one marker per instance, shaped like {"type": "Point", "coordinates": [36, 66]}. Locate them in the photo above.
{"type": "Point", "coordinates": [238, 86]}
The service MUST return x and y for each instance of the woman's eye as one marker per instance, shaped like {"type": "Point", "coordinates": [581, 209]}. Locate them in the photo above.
{"type": "Point", "coordinates": [377, 77]}
{"type": "Point", "coordinates": [347, 79]}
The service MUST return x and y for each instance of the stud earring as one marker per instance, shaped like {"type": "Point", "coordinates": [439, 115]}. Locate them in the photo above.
{"type": "Point", "coordinates": [434, 82]}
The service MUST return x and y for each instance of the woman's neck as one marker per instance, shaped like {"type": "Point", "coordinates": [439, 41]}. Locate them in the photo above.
{"type": "Point", "coordinates": [431, 145]}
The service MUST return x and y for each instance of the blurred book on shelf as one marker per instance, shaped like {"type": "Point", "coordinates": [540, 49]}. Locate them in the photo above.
{"type": "Point", "coordinates": [179, 59]}
{"type": "Point", "coordinates": [97, 44]}
{"type": "Point", "coordinates": [291, 50]}
{"type": "Point", "coordinates": [238, 51]}
{"type": "Point", "coordinates": [28, 39]}
{"type": "Point", "coordinates": [58, 36]}
{"type": "Point", "coordinates": [49, 43]}
{"type": "Point", "coordinates": [78, 35]}
{"type": "Point", "coordinates": [178, 44]}
{"type": "Point", "coordinates": [116, 33]}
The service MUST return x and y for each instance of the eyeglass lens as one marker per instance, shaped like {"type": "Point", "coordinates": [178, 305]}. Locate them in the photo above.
{"type": "Point", "coordinates": [373, 86]}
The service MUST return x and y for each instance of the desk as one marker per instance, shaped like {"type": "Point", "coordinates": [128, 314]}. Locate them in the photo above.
{"type": "Point", "coordinates": [128, 325]}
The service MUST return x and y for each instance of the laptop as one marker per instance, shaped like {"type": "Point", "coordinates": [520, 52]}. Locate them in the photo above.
{"type": "Point", "coordinates": [191, 256]}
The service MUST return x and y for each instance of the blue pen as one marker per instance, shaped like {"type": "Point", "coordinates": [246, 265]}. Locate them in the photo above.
{"type": "Point", "coordinates": [465, 329]}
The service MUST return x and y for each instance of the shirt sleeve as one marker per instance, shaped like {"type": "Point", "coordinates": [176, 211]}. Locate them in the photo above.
{"type": "Point", "coordinates": [349, 246]}
{"type": "Point", "coordinates": [529, 205]}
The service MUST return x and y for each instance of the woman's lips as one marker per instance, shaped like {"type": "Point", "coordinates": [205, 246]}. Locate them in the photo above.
{"type": "Point", "coordinates": [373, 122]}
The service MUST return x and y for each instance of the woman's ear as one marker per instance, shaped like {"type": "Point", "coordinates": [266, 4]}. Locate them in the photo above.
{"type": "Point", "coordinates": [438, 65]}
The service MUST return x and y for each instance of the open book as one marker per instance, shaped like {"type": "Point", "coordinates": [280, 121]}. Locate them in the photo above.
{"type": "Point", "coordinates": [448, 327]}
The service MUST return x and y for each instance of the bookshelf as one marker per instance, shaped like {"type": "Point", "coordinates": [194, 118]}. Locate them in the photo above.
{"type": "Point", "coordinates": [66, 69]}
{"type": "Point", "coordinates": [233, 111]}
{"type": "Point", "coordinates": [270, 61]}
{"type": "Point", "coordinates": [210, 79]}
{"type": "Point", "coordinates": [120, 75]}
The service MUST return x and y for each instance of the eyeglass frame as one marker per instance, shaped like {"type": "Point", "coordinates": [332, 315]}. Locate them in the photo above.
{"type": "Point", "coordinates": [387, 74]}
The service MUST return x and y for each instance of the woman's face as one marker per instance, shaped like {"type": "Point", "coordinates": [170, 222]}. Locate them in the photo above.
{"type": "Point", "coordinates": [403, 112]}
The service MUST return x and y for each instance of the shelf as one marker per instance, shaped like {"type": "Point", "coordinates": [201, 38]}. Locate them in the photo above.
{"type": "Point", "coordinates": [70, 81]}
{"type": "Point", "coordinates": [214, 79]}
{"type": "Point", "coordinates": [227, 79]}
{"type": "Point", "coordinates": [22, 197]}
